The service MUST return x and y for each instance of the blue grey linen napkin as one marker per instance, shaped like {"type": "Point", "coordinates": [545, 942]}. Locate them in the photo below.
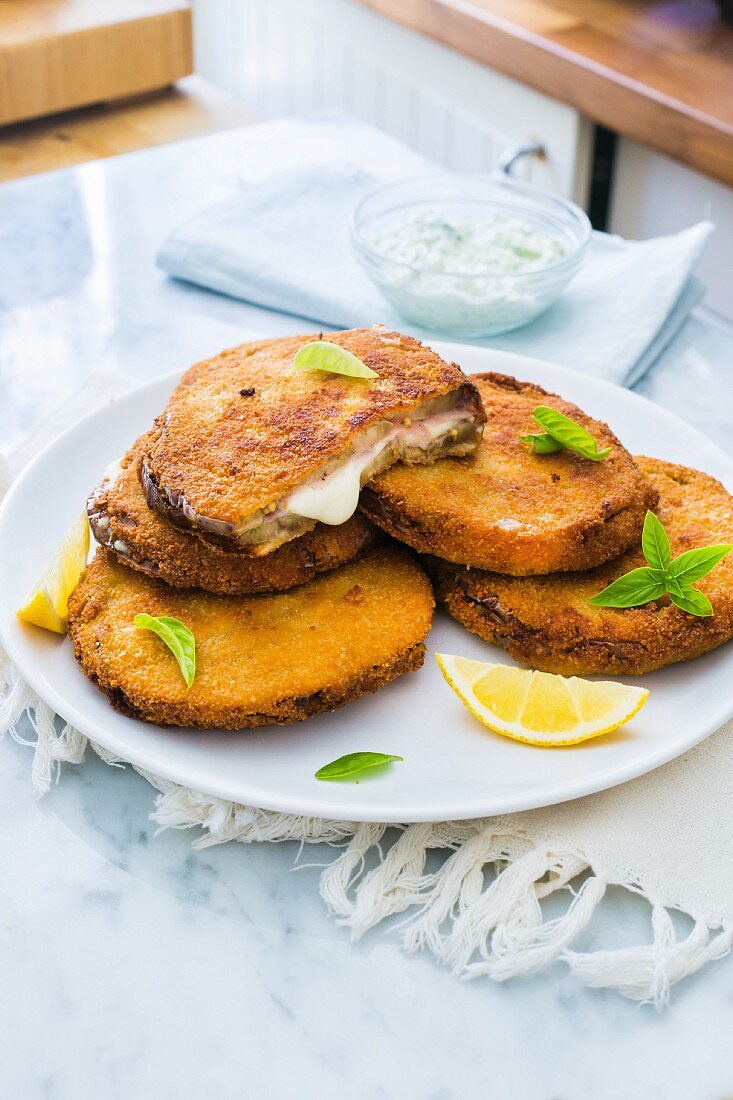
{"type": "Point", "coordinates": [283, 243]}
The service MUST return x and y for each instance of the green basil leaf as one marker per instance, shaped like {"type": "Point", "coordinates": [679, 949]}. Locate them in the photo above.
{"type": "Point", "coordinates": [675, 577]}
{"type": "Point", "coordinates": [693, 565]}
{"type": "Point", "coordinates": [673, 585]}
{"type": "Point", "coordinates": [354, 763]}
{"type": "Point", "coordinates": [569, 434]}
{"type": "Point", "coordinates": [633, 589]}
{"type": "Point", "coordinates": [323, 355]}
{"type": "Point", "coordinates": [655, 542]}
{"type": "Point", "coordinates": [691, 600]}
{"type": "Point", "coordinates": [177, 637]}
{"type": "Point", "coordinates": [543, 444]}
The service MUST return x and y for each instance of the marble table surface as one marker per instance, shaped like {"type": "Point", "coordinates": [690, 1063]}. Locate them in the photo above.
{"type": "Point", "coordinates": [135, 967]}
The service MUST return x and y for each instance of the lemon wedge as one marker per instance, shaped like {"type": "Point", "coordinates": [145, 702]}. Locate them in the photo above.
{"type": "Point", "coordinates": [537, 707]}
{"type": "Point", "coordinates": [48, 605]}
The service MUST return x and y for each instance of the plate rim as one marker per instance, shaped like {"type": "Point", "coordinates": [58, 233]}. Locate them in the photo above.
{"type": "Point", "coordinates": [594, 782]}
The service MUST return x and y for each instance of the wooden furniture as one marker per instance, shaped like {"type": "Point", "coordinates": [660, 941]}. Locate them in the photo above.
{"type": "Point", "coordinates": [661, 73]}
{"type": "Point", "coordinates": [59, 54]}
{"type": "Point", "coordinates": [192, 107]}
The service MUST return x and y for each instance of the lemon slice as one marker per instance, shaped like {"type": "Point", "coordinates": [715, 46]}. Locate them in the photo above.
{"type": "Point", "coordinates": [48, 605]}
{"type": "Point", "coordinates": [537, 707]}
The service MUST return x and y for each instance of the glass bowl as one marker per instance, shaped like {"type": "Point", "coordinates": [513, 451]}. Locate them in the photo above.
{"type": "Point", "coordinates": [453, 302]}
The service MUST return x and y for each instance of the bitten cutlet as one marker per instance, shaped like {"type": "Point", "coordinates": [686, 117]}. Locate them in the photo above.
{"type": "Point", "coordinates": [256, 453]}
{"type": "Point", "coordinates": [509, 509]}
{"type": "Point", "coordinates": [260, 660]}
{"type": "Point", "coordinates": [547, 622]}
{"type": "Point", "coordinates": [122, 521]}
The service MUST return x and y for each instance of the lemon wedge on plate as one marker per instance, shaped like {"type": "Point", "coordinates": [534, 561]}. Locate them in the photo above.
{"type": "Point", "coordinates": [48, 605]}
{"type": "Point", "coordinates": [537, 707]}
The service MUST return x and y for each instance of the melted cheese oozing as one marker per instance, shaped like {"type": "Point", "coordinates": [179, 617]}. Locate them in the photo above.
{"type": "Point", "coordinates": [334, 497]}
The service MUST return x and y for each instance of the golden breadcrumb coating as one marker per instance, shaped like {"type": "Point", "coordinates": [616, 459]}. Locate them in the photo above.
{"type": "Point", "coordinates": [121, 520]}
{"type": "Point", "coordinates": [261, 660]}
{"type": "Point", "coordinates": [547, 622]}
{"type": "Point", "coordinates": [508, 509]}
{"type": "Point", "coordinates": [240, 432]}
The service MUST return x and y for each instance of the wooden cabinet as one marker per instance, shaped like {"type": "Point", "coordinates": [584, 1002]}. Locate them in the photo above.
{"type": "Point", "coordinates": [191, 108]}
{"type": "Point", "coordinates": [60, 54]}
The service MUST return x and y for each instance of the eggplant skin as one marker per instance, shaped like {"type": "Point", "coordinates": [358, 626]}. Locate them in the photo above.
{"type": "Point", "coordinates": [547, 623]}
{"type": "Point", "coordinates": [509, 509]}
{"type": "Point", "coordinates": [142, 539]}
{"type": "Point", "coordinates": [240, 431]}
{"type": "Point", "coordinates": [260, 660]}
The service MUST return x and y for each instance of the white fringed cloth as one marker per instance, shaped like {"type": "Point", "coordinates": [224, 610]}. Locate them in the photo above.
{"type": "Point", "coordinates": [667, 836]}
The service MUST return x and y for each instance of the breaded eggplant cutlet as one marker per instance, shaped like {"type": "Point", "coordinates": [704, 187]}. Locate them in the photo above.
{"type": "Point", "coordinates": [260, 660]}
{"type": "Point", "coordinates": [256, 453]}
{"type": "Point", "coordinates": [122, 521]}
{"type": "Point", "coordinates": [509, 509]}
{"type": "Point", "coordinates": [547, 622]}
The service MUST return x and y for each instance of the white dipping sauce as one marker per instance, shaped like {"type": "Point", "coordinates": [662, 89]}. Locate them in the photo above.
{"type": "Point", "coordinates": [489, 252]}
{"type": "Point", "coordinates": [468, 246]}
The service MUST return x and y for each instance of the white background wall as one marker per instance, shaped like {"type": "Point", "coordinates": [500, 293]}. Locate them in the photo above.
{"type": "Point", "coordinates": [653, 195]}
{"type": "Point", "coordinates": [290, 56]}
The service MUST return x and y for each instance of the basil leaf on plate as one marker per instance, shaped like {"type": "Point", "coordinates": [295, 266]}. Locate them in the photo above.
{"type": "Point", "coordinates": [324, 355]}
{"type": "Point", "coordinates": [633, 589]}
{"type": "Point", "coordinates": [693, 565]}
{"type": "Point", "coordinates": [568, 434]}
{"type": "Point", "coordinates": [177, 637]}
{"type": "Point", "coordinates": [354, 763]}
{"type": "Point", "coordinates": [655, 542]}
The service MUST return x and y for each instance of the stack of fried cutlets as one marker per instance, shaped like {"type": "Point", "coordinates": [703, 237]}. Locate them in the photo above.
{"type": "Point", "coordinates": [236, 515]}
{"type": "Point", "coordinates": [516, 542]}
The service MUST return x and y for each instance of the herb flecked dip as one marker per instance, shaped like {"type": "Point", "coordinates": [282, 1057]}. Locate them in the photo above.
{"type": "Point", "coordinates": [455, 272]}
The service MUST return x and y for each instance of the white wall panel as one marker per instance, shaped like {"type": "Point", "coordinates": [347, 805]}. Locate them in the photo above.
{"type": "Point", "coordinates": [654, 195]}
{"type": "Point", "coordinates": [290, 56]}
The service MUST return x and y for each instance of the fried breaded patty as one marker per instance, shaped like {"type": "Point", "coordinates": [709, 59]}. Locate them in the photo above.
{"type": "Point", "coordinates": [261, 660]}
{"type": "Point", "coordinates": [241, 434]}
{"type": "Point", "coordinates": [547, 622]}
{"type": "Point", "coordinates": [509, 509]}
{"type": "Point", "coordinates": [122, 521]}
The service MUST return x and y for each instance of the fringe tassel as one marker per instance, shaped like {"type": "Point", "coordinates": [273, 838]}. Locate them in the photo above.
{"type": "Point", "coordinates": [479, 913]}
{"type": "Point", "coordinates": [394, 884]}
{"type": "Point", "coordinates": [647, 973]}
{"type": "Point", "coordinates": [179, 808]}
{"type": "Point", "coordinates": [519, 950]}
{"type": "Point", "coordinates": [339, 878]}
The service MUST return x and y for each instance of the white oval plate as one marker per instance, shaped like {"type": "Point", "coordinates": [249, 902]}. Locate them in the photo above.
{"type": "Point", "coordinates": [453, 767]}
